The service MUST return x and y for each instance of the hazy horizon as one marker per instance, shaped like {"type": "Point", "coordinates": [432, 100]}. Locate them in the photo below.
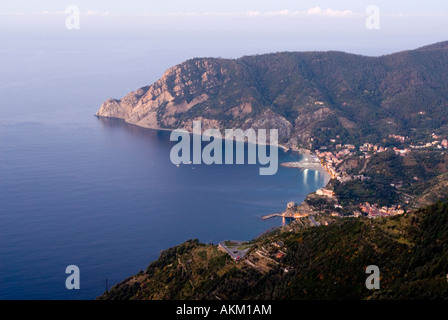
{"type": "Point", "coordinates": [232, 29]}
{"type": "Point", "coordinates": [103, 194]}
{"type": "Point", "coordinates": [136, 42]}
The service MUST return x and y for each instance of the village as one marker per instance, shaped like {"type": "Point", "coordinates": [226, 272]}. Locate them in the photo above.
{"type": "Point", "coordinates": [307, 214]}
{"type": "Point", "coordinates": [330, 159]}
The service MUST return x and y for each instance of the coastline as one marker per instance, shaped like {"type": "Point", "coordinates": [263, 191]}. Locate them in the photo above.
{"type": "Point", "coordinates": [317, 166]}
{"type": "Point", "coordinates": [267, 230]}
{"type": "Point", "coordinates": [301, 165]}
{"type": "Point", "coordinates": [279, 145]}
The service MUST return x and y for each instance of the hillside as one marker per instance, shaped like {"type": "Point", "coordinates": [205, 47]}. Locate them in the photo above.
{"type": "Point", "coordinates": [311, 97]}
{"type": "Point", "coordinates": [416, 179]}
{"type": "Point", "coordinates": [325, 262]}
{"type": "Point", "coordinates": [378, 126]}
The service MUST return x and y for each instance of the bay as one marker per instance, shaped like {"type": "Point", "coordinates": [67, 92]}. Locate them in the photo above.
{"type": "Point", "coordinates": [100, 193]}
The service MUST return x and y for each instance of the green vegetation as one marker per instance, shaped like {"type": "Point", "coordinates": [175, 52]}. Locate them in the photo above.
{"type": "Point", "coordinates": [326, 262]}
{"type": "Point", "coordinates": [323, 95]}
{"type": "Point", "coordinates": [230, 243]}
{"type": "Point", "coordinates": [245, 247]}
{"type": "Point", "coordinates": [416, 179]}
{"type": "Point", "coordinates": [372, 191]}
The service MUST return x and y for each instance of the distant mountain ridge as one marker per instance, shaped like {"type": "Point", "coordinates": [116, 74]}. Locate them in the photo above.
{"type": "Point", "coordinates": [311, 97]}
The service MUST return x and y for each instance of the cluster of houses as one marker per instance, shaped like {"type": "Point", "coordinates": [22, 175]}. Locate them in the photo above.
{"type": "Point", "coordinates": [369, 147]}
{"type": "Point", "coordinates": [398, 137]}
{"type": "Point", "coordinates": [373, 211]}
{"type": "Point", "coordinates": [325, 192]}
{"type": "Point", "coordinates": [438, 143]}
{"type": "Point", "coordinates": [331, 159]}
{"type": "Point", "coordinates": [401, 152]}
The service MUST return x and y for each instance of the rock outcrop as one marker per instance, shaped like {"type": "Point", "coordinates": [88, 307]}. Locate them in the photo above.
{"type": "Point", "coordinates": [197, 82]}
{"type": "Point", "coordinates": [310, 97]}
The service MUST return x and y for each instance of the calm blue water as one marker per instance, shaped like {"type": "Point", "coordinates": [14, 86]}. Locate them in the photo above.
{"type": "Point", "coordinates": [103, 194]}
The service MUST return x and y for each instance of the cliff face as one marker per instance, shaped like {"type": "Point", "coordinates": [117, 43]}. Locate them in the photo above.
{"type": "Point", "coordinates": [156, 105]}
{"type": "Point", "coordinates": [188, 92]}
{"type": "Point", "coordinates": [310, 97]}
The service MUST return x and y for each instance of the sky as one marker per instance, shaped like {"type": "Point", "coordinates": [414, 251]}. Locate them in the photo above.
{"type": "Point", "coordinates": [123, 45]}
{"type": "Point", "coordinates": [202, 6]}
{"type": "Point", "coordinates": [233, 28]}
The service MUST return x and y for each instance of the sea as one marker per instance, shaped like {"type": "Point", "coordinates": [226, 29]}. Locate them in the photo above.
{"type": "Point", "coordinates": [102, 194]}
